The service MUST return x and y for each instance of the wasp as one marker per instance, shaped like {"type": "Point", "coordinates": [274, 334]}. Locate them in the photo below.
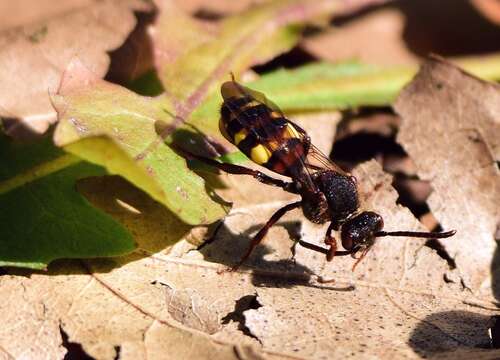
{"type": "Point", "coordinates": [328, 193]}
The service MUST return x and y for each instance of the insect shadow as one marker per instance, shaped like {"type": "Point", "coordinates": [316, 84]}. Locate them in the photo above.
{"type": "Point", "coordinates": [189, 139]}
{"type": "Point", "coordinates": [226, 244]}
{"type": "Point", "coordinates": [226, 247]}
{"type": "Point", "coordinates": [197, 142]}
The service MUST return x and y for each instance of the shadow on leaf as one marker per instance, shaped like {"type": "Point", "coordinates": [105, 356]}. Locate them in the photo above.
{"type": "Point", "coordinates": [228, 248]}
{"type": "Point", "coordinates": [450, 331]}
{"type": "Point", "coordinates": [495, 268]}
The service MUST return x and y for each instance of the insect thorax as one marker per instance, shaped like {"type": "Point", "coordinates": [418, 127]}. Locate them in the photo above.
{"type": "Point", "coordinates": [341, 194]}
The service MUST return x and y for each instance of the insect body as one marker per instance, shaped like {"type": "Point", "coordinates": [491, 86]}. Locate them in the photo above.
{"type": "Point", "coordinates": [328, 194]}
{"type": "Point", "coordinates": [260, 130]}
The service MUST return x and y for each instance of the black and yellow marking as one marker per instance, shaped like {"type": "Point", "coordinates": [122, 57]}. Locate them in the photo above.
{"type": "Point", "coordinates": [261, 132]}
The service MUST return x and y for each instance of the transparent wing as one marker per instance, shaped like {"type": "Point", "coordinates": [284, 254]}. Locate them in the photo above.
{"type": "Point", "coordinates": [233, 88]}
{"type": "Point", "coordinates": [260, 97]}
{"type": "Point", "coordinates": [316, 160]}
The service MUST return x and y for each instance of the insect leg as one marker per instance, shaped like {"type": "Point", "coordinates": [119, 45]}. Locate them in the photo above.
{"type": "Point", "coordinates": [262, 232]}
{"type": "Point", "coordinates": [322, 250]}
{"type": "Point", "coordinates": [241, 170]}
{"type": "Point", "coordinates": [330, 240]}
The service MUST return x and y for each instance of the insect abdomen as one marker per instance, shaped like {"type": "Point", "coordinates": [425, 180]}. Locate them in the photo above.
{"type": "Point", "coordinates": [261, 133]}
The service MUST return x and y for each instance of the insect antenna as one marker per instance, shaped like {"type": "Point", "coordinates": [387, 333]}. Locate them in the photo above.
{"type": "Point", "coordinates": [418, 234]}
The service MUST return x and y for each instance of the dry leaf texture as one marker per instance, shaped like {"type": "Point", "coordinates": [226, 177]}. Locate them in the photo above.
{"type": "Point", "coordinates": [451, 130]}
{"type": "Point", "coordinates": [34, 56]}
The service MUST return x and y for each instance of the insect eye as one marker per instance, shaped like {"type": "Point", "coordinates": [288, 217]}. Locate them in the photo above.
{"type": "Point", "coordinates": [350, 237]}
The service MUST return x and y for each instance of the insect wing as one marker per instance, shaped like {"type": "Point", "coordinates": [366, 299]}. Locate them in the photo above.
{"type": "Point", "coordinates": [316, 161]}
{"type": "Point", "coordinates": [260, 97]}
{"type": "Point", "coordinates": [233, 89]}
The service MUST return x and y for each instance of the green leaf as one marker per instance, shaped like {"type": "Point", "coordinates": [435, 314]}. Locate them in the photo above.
{"type": "Point", "coordinates": [327, 86]}
{"type": "Point", "coordinates": [113, 127]}
{"type": "Point", "coordinates": [43, 217]}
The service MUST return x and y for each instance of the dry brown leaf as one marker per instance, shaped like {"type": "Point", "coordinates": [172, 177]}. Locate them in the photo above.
{"type": "Point", "coordinates": [126, 308]}
{"type": "Point", "coordinates": [21, 12]}
{"type": "Point", "coordinates": [33, 56]}
{"type": "Point", "coordinates": [451, 130]}
{"type": "Point", "coordinates": [362, 39]}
